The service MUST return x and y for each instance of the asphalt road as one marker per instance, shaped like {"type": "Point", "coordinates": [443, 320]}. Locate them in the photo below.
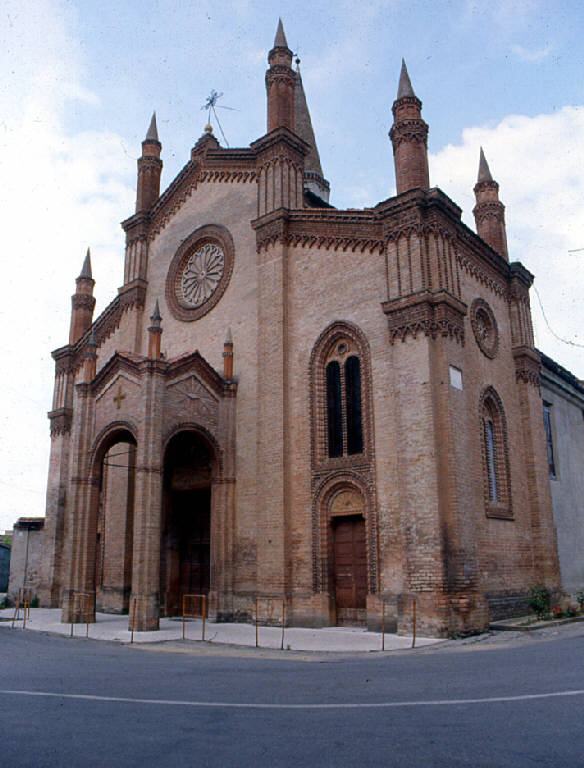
{"type": "Point", "coordinates": [502, 702]}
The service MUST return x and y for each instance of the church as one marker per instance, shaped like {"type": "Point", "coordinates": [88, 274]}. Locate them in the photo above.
{"type": "Point", "coordinates": [335, 408]}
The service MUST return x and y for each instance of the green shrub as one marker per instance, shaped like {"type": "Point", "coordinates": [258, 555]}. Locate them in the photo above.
{"type": "Point", "coordinates": [580, 599]}
{"type": "Point", "coordinates": [539, 600]}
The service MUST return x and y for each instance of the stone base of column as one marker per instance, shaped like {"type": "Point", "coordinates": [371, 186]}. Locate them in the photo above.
{"type": "Point", "coordinates": [77, 607]}
{"type": "Point", "coordinates": [315, 610]}
{"type": "Point", "coordinates": [144, 615]}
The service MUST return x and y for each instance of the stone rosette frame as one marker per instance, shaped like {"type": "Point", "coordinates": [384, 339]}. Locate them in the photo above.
{"type": "Point", "coordinates": [484, 326]}
{"type": "Point", "coordinates": [210, 234]}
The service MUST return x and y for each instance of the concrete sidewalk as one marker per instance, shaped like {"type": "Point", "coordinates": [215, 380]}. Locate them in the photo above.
{"type": "Point", "coordinates": [115, 628]}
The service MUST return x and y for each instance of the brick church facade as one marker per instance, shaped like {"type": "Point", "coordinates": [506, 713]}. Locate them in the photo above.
{"type": "Point", "coordinates": [339, 408]}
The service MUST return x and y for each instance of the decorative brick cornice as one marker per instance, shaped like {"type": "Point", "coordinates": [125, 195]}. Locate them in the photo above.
{"type": "Point", "coordinates": [83, 301]}
{"type": "Point", "coordinates": [275, 141]}
{"type": "Point", "coordinates": [172, 200]}
{"type": "Point", "coordinates": [330, 229]}
{"type": "Point", "coordinates": [527, 366]}
{"type": "Point", "coordinates": [64, 358]}
{"type": "Point", "coordinates": [61, 420]}
{"type": "Point", "coordinates": [521, 275]}
{"type": "Point", "coordinates": [489, 268]}
{"type": "Point", "coordinates": [433, 314]}
{"type": "Point", "coordinates": [406, 101]}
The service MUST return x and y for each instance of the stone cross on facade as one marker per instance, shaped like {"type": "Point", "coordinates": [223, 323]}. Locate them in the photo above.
{"type": "Point", "coordinates": [119, 397]}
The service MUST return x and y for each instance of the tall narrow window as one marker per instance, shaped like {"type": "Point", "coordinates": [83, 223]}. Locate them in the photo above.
{"type": "Point", "coordinates": [344, 401]}
{"type": "Point", "coordinates": [353, 405]}
{"type": "Point", "coordinates": [497, 483]}
{"type": "Point", "coordinates": [547, 423]}
{"type": "Point", "coordinates": [334, 409]}
{"type": "Point", "coordinates": [491, 461]}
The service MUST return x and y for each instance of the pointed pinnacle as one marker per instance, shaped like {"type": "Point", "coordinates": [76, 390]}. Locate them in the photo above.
{"type": "Point", "coordinates": [152, 134]}
{"type": "Point", "coordinates": [280, 40]}
{"type": "Point", "coordinates": [86, 268]}
{"type": "Point", "coordinates": [405, 85]}
{"type": "Point", "coordinates": [92, 343]}
{"type": "Point", "coordinates": [484, 172]}
{"type": "Point", "coordinates": [155, 317]}
{"type": "Point", "coordinates": [228, 337]}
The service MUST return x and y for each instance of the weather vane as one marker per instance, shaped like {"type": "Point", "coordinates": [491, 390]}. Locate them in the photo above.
{"type": "Point", "coordinates": [210, 105]}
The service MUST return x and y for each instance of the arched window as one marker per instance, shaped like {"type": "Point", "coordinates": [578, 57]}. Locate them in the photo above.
{"type": "Point", "coordinates": [495, 454]}
{"type": "Point", "coordinates": [340, 374]}
{"type": "Point", "coordinates": [344, 411]}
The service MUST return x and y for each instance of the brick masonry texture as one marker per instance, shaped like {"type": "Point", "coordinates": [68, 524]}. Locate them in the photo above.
{"type": "Point", "coordinates": [396, 284]}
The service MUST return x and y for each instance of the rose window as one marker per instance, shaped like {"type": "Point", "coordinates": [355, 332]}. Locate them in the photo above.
{"type": "Point", "coordinates": [202, 274]}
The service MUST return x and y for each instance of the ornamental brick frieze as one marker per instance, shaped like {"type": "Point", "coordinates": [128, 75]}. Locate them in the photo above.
{"type": "Point", "coordinates": [430, 314]}
{"type": "Point", "coordinates": [60, 421]}
{"type": "Point", "coordinates": [475, 265]}
{"type": "Point", "coordinates": [488, 210]}
{"type": "Point", "coordinates": [409, 130]}
{"type": "Point", "coordinates": [228, 176]}
{"type": "Point", "coordinates": [83, 301]}
{"type": "Point", "coordinates": [170, 203]}
{"type": "Point", "coordinates": [278, 160]}
{"type": "Point", "coordinates": [527, 366]}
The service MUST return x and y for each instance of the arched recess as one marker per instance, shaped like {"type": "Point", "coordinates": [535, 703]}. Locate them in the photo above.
{"type": "Point", "coordinates": [344, 517]}
{"type": "Point", "coordinates": [190, 526]}
{"type": "Point", "coordinates": [340, 397]}
{"type": "Point", "coordinates": [495, 455]}
{"type": "Point", "coordinates": [111, 524]}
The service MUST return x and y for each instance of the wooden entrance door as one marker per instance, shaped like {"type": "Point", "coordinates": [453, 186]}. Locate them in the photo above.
{"type": "Point", "coordinates": [350, 569]}
{"type": "Point", "coordinates": [187, 559]}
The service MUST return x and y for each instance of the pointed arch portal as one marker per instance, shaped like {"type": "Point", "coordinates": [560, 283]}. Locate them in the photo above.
{"type": "Point", "coordinates": [185, 552]}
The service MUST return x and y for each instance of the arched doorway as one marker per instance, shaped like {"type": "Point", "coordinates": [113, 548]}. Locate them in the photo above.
{"type": "Point", "coordinates": [115, 523]}
{"type": "Point", "coordinates": [348, 545]}
{"type": "Point", "coordinates": [186, 521]}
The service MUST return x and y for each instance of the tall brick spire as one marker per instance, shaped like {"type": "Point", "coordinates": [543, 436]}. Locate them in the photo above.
{"type": "Point", "coordinates": [313, 176]}
{"type": "Point", "coordinates": [409, 137]}
{"type": "Point", "coordinates": [489, 211]}
{"type": "Point", "coordinates": [280, 83]}
{"type": "Point", "coordinates": [82, 301]}
{"type": "Point", "coordinates": [149, 169]}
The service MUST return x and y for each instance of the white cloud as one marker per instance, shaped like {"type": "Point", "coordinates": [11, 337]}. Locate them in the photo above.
{"type": "Point", "coordinates": [531, 55]}
{"type": "Point", "coordinates": [538, 163]}
{"type": "Point", "coordinates": [59, 193]}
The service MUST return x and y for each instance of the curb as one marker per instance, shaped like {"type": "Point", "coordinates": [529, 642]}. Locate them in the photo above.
{"type": "Point", "coordinates": [503, 626]}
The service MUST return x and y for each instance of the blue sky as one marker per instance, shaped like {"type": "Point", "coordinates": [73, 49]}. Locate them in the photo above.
{"type": "Point", "coordinates": [82, 78]}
